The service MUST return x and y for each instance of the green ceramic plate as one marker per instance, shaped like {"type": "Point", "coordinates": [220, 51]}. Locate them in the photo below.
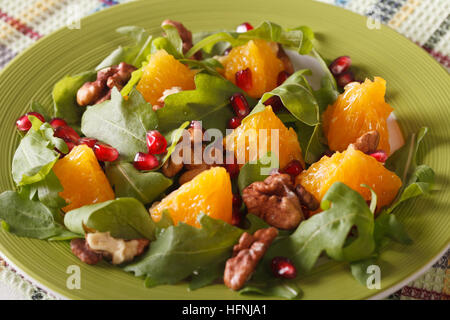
{"type": "Point", "coordinates": [418, 89]}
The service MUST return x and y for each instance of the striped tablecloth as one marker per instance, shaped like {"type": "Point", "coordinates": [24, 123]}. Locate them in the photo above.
{"type": "Point", "coordinates": [426, 22]}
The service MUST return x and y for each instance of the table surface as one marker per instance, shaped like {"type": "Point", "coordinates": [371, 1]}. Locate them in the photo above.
{"type": "Point", "coordinates": [426, 22]}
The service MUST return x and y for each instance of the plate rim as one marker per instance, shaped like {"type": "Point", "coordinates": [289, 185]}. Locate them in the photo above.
{"type": "Point", "coordinates": [383, 293]}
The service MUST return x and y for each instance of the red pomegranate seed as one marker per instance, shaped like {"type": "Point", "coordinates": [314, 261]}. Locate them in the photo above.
{"type": "Point", "coordinates": [345, 78]}
{"type": "Point", "coordinates": [340, 65]}
{"type": "Point", "coordinates": [90, 142]}
{"type": "Point", "coordinates": [282, 77]}
{"type": "Point", "coordinates": [234, 122]}
{"type": "Point", "coordinates": [283, 268]}
{"type": "Point", "coordinates": [231, 165]}
{"type": "Point", "coordinates": [240, 105]}
{"type": "Point", "coordinates": [57, 122]}
{"type": "Point", "coordinates": [237, 201]}
{"type": "Point", "coordinates": [70, 145]}
{"type": "Point", "coordinates": [24, 124]}
{"type": "Point", "coordinates": [244, 27]}
{"type": "Point", "coordinates": [275, 102]}
{"type": "Point", "coordinates": [293, 168]}
{"type": "Point", "coordinates": [236, 218]}
{"type": "Point", "coordinates": [104, 152]}
{"type": "Point", "coordinates": [380, 155]}
{"type": "Point", "coordinates": [67, 134]}
{"type": "Point", "coordinates": [145, 161]}
{"type": "Point", "coordinates": [156, 143]}
{"type": "Point", "coordinates": [244, 79]}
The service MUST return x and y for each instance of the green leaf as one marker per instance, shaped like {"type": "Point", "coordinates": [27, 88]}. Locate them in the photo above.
{"type": "Point", "coordinates": [28, 218]}
{"type": "Point", "coordinates": [129, 182]}
{"type": "Point", "coordinates": [173, 137]}
{"type": "Point", "coordinates": [121, 123]}
{"type": "Point", "coordinates": [172, 35]}
{"type": "Point", "coordinates": [47, 191]}
{"type": "Point", "coordinates": [124, 218]}
{"type": "Point", "coordinates": [180, 250]}
{"type": "Point", "coordinates": [209, 102]}
{"type": "Point", "coordinates": [206, 275]}
{"type": "Point", "coordinates": [328, 231]}
{"type": "Point", "coordinates": [35, 155]}
{"type": "Point", "coordinates": [274, 288]}
{"type": "Point", "coordinates": [65, 97]}
{"type": "Point", "coordinates": [208, 65]}
{"type": "Point", "coordinates": [134, 54]}
{"type": "Point", "coordinates": [296, 39]}
{"type": "Point", "coordinates": [39, 108]}
{"type": "Point", "coordinates": [257, 171]}
{"type": "Point", "coordinates": [310, 138]}
{"type": "Point", "coordinates": [297, 97]}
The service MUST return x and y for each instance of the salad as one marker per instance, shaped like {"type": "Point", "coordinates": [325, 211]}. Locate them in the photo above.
{"type": "Point", "coordinates": [239, 157]}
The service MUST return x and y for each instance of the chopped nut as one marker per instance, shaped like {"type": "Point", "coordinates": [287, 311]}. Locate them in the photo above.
{"type": "Point", "coordinates": [170, 168]}
{"type": "Point", "coordinates": [81, 249]}
{"type": "Point", "coordinates": [191, 174]}
{"type": "Point", "coordinates": [368, 142]}
{"type": "Point", "coordinates": [99, 90]}
{"type": "Point", "coordinates": [185, 35]}
{"type": "Point", "coordinates": [275, 201]}
{"type": "Point", "coordinates": [246, 255]}
{"type": "Point", "coordinates": [306, 198]}
{"type": "Point", "coordinates": [118, 249]}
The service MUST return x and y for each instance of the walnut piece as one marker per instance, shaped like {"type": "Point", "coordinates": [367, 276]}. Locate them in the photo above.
{"type": "Point", "coordinates": [99, 90]}
{"type": "Point", "coordinates": [306, 198]}
{"type": "Point", "coordinates": [185, 35]}
{"type": "Point", "coordinates": [81, 249]}
{"type": "Point", "coordinates": [170, 168]}
{"type": "Point", "coordinates": [246, 255]}
{"type": "Point", "coordinates": [275, 201]}
{"type": "Point", "coordinates": [368, 142]}
{"type": "Point", "coordinates": [118, 250]}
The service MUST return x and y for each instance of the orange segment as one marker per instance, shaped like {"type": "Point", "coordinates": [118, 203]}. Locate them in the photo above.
{"type": "Point", "coordinates": [164, 72]}
{"type": "Point", "coordinates": [353, 168]}
{"type": "Point", "coordinates": [209, 192]}
{"type": "Point", "coordinates": [261, 58]}
{"type": "Point", "coordinates": [82, 178]}
{"type": "Point", "coordinates": [360, 109]}
{"type": "Point", "coordinates": [249, 140]}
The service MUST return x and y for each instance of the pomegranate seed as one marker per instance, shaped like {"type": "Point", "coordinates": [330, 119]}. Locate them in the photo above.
{"type": "Point", "coordinates": [293, 168]}
{"type": "Point", "coordinates": [145, 161]}
{"type": "Point", "coordinates": [231, 165]}
{"type": "Point", "coordinates": [236, 218]}
{"type": "Point", "coordinates": [340, 65]}
{"type": "Point", "coordinates": [380, 155]}
{"type": "Point", "coordinates": [24, 124]}
{"type": "Point", "coordinates": [282, 77]}
{"type": "Point", "coordinates": [283, 268]}
{"type": "Point", "coordinates": [234, 122]}
{"type": "Point", "coordinates": [67, 134]}
{"type": "Point", "coordinates": [237, 201]}
{"type": "Point", "coordinates": [244, 79]}
{"type": "Point", "coordinates": [156, 143]}
{"type": "Point", "coordinates": [240, 105]}
{"type": "Point", "coordinates": [90, 142]}
{"type": "Point", "coordinates": [70, 145]}
{"type": "Point", "coordinates": [345, 78]}
{"type": "Point", "coordinates": [57, 122]}
{"type": "Point", "coordinates": [103, 152]}
{"type": "Point", "coordinates": [275, 102]}
{"type": "Point", "coordinates": [244, 27]}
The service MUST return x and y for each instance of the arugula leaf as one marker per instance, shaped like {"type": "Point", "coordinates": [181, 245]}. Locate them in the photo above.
{"type": "Point", "coordinates": [121, 123]}
{"type": "Point", "coordinates": [47, 191]}
{"type": "Point", "coordinates": [124, 218]}
{"type": "Point", "coordinates": [206, 275]}
{"type": "Point", "coordinates": [328, 231]}
{"type": "Point", "coordinates": [35, 155]}
{"type": "Point", "coordinates": [180, 250]}
{"type": "Point", "coordinates": [173, 137]}
{"type": "Point", "coordinates": [134, 54]}
{"type": "Point", "coordinates": [65, 96]}
{"type": "Point", "coordinates": [257, 171]}
{"type": "Point", "coordinates": [129, 182]}
{"type": "Point", "coordinates": [209, 102]}
{"type": "Point", "coordinates": [310, 138]}
{"type": "Point", "coordinates": [297, 97]}
{"type": "Point", "coordinates": [39, 108]}
{"type": "Point", "coordinates": [273, 287]}
{"type": "Point", "coordinates": [27, 218]}
{"type": "Point", "coordinates": [298, 39]}
{"type": "Point", "coordinates": [172, 35]}
{"type": "Point", "coordinates": [208, 65]}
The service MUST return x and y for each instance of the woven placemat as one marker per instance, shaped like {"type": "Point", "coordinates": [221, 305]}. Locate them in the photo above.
{"type": "Point", "coordinates": [426, 22]}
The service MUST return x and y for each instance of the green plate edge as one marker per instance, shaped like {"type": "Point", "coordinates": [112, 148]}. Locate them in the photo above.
{"type": "Point", "coordinates": [418, 89]}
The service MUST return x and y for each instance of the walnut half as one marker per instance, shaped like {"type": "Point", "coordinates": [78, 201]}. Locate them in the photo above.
{"type": "Point", "coordinates": [274, 200]}
{"type": "Point", "coordinates": [368, 142]}
{"type": "Point", "coordinates": [246, 255]}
